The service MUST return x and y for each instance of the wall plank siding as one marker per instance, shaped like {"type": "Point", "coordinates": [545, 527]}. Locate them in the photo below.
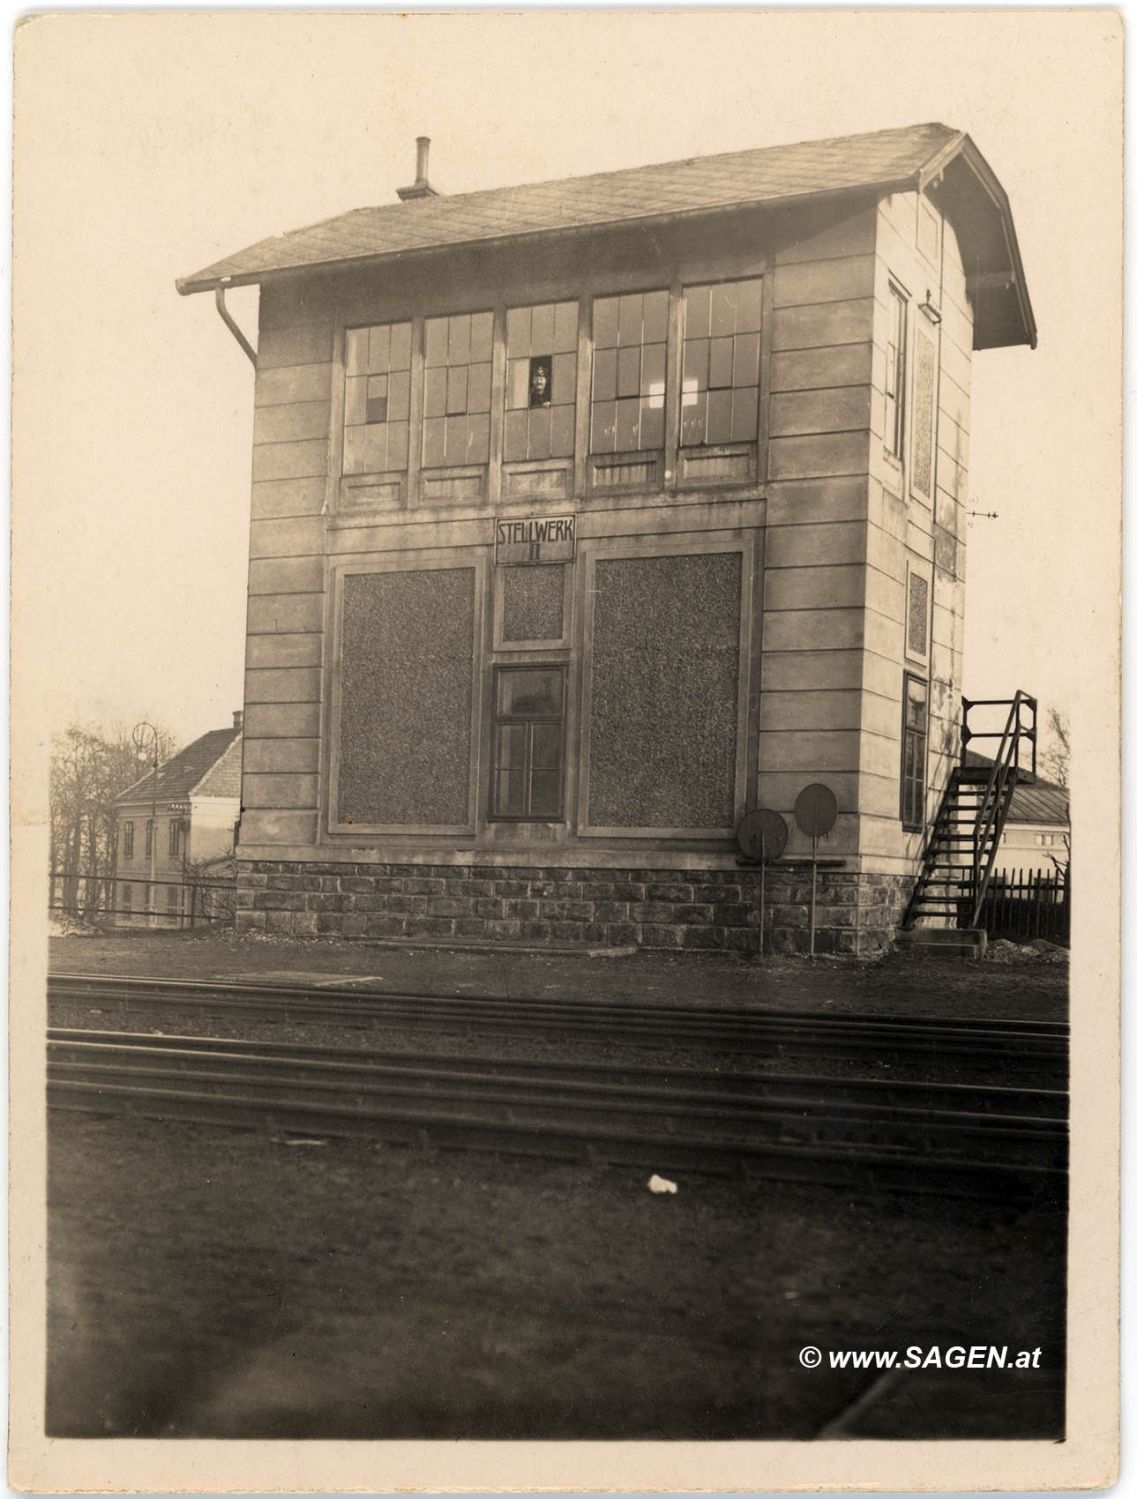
{"type": "Point", "coordinates": [286, 613]}
{"type": "Point", "coordinates": [293, 382]}
{"type": "Point", "coordinates": [819, 326]}
{"type": "Point", "coordinates": [283, 650]}
{"type": "Point", "coordinates": [282, 721]}
{"type": "Point", "coordinates": [265, 829]}
{"type": "Point", "coordinates": [291, 421]}
{"type": "Point", "coordinates": [278, 791]}
{"type": "Point", "coordinates": [295, 536]}
{"type": "Point", "coordinates": [279, 498]}
{"type": "Point", "coordinates": [814, 629]}
{"type": "Point", "coordinates": [281, 755]}
{"type": "Point", "coordinates": [284, 684]}
{"type": "Point", "coordinates": [817, 369]}
{"type": "Point", "coordinates": [294, 343]}
{"type": "Point", "coordinates": [819, 281]}
{"type": "Point", "coordinates": [291, 460]}
{"type": "Point", "coordinates": [819, 455]}
{"type": "Point", "coordinates": [805, 671]}
{"type": "Point", "coordinates": [286, 574]}
{"type": "Point", "coordinates": [829, 235]}
{"type": "Point", "coordinates": [803, 545]}
{"type": "Point", "coordinates": [812, 501]}
{"type": "Point", "coordinates": [804, 412]}
{"type": "Point", "coordinates": [840, 586]}
{"type": "Point", "coordinates": [809, 752]}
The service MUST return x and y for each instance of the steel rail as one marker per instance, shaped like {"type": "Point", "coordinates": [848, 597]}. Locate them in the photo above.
{"type": "Point", "coordinates": [218, 1087]}
{"type": "Point", "coordinates": [655, 1025]}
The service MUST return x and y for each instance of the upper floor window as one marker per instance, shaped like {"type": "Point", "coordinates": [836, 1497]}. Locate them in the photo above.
{"type": "Point", "coordinates": [149, 836]}
{"type": "Point", "coordinates": [629, 371]}
{"type": "Point", "coordinates": [128, 840]}
{"type": "Point", "coordinates": [377, 398]}
{"type": "Point", "coordinates": [540, 391]}
{"type": "Point", "coordinates": [722, 334]}
{"type": "Point", "coordinates": [175, 836]}
{"type": "Point", "coordinates": [895, 362]}
{"type": "Point", "coordinates": [456, 395]}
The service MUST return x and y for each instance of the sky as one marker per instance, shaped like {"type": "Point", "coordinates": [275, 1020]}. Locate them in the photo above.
{"type": "Point", "coordinates": [150, 145]}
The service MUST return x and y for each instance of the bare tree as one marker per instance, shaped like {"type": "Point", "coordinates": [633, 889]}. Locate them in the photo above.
{"type": "Point", "coordinates": [1054, 760]}
{"type": "Point", "coordinates": [89, 769]}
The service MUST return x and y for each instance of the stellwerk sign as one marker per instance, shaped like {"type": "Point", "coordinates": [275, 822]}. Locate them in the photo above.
{"type": "Point", "coordinates": [546, 538]}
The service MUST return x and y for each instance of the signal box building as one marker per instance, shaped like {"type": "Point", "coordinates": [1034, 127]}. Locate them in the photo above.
{"type": "Point", "coordinates": [588, 516]}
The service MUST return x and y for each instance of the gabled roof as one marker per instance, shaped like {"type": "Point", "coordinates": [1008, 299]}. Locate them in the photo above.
{"type": "Point", "coordinates": [190, 768]}
{"type": "Point", "coordinates": [885, 161]}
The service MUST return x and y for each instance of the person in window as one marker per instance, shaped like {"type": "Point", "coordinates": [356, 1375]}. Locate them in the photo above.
{"type": "Point", "coordinates": [540, 384]}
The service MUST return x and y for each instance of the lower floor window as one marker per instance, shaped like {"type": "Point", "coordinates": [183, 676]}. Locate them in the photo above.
{"type": "Point", "coordinates": [528, 743]}
{"type": "Point", "coordinates": [127, 897]}
{"type": "Point", "coordinates": [914, 744]}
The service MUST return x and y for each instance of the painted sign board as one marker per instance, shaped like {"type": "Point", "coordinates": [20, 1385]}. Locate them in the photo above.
{"type": "Point", "coordinates": [546, 538]}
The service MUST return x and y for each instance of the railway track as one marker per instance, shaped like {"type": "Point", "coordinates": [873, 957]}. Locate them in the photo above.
{"type": "Point", "coordinates": [951, 1139]}
{"type": "Point", "coordinates": [1038, 1045]}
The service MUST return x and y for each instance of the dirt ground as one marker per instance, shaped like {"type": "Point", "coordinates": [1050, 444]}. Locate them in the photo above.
{"type": "Point", "coordinates": [218, 1283]}
{"type": "Point", "coordinates": [1010, 985]}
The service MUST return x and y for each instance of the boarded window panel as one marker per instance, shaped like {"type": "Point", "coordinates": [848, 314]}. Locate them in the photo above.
{"type": "Point", "coordinates": [718, 415]}
{"type": "Point", "coordinates": [564, 379]}
{"type": "Point", "coordinates": [605, 322]}
{"type": "Point", "coordinates": [917, 615]}
{"type": "Point", "coordinates": [923, 413]}
{"type": "Point", "coordinates": [698, 312]}
{"type": "Point", "coordinates": [540, 431]}
{"type": "Point", "coordinates": [533, 603]}
{"type": "Point", "coordinates": [434, 392]}
{"type": "Point", "coordinates": [379, 348]}
{"type": "Point", "coordinates": [604, 376]}
{"type": "Point", "coordinates": [541, 338]}
{"type": "Point", "coordinates": [628, 425]}
{"type": "Point", "coordinates": [437, 339]}
{"type": "Point", "coordinates": [517, 384]}
{"type": "Point", "coordinates": [481, 337]}
{"type": "Point", "coordinates": [664, 696]}
{"type": "Point", "coordinates": [399, 397]}
{"type": "Point", "coordinates": [355, 351]}
{"type": "Point", "coordinates": [408, 680]}
{"type": "Point", "coordinates": [655, 304]}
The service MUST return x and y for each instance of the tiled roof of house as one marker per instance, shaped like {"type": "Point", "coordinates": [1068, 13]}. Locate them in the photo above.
{"type": "Point", "coordinates": [184, 774]}
{"type": "Point", "coordinates": [1041, 801]}
{"type": "Point", "coordinates": [224, 776]}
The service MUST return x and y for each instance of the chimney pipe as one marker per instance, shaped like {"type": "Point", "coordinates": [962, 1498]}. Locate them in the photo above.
{"type": "Point", "coordinates": [421, 187]}
{"type": "Point", "coordinates": [238, 718]}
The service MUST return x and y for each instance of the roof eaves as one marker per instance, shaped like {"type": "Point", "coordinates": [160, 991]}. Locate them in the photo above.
{"type": "Point", "coordinates": [189, 285]}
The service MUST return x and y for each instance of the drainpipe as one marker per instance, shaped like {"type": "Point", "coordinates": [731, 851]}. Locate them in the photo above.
{"type": "Point", "coordinates": [228, 320]}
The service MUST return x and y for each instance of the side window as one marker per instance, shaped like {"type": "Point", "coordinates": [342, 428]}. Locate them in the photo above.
{"type": "Point", "coordinates": [629, 372]}
{"type": "Point", "coordinates": [128, 840]}
{"type": "Point", "coordinates": [913, 752]}
{"type": "Point", "coordinates": [528, 743]}
{"type": "Point", "coordinates": [456, 395]}
{"type": "Point", "coordinates": [540, 391]}
{"type": "Point", "coordinates": [377, 390]}
{"type": "Point", "coordinates": [722, 332]}
{"type": "Point", "coordinates": [895, 373]}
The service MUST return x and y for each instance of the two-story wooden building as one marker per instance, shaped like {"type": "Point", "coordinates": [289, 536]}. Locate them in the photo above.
{"type": "Point", "coordinates": [588, 516]}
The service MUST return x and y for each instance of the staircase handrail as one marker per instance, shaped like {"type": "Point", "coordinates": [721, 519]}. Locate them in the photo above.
{"type": "Point", "coordinates": [994, 805]}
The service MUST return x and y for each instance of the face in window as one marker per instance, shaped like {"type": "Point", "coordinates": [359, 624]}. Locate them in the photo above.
{"type": "Point", "coordinates": [540, 383]}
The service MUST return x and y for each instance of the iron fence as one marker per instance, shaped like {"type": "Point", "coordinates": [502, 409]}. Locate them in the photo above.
{"type": "Point", "coordinates": [136, 901]}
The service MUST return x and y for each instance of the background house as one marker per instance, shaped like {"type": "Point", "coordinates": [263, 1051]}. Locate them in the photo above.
{"type": "Point", "coordinates": [590, 515]}
{"type": "Point", "coordinates": [176, 832]}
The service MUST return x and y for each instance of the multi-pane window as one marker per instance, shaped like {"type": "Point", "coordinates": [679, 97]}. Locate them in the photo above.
{"type": "Point", "coordinates": [722, 334]}
{"type": "Point", "coordinates": [894, 372]}
{"type": "Point", "coordinates": [149, 836]}
{"type": "Point", "coordinates": [377, 398]}
{"type": "Point", "coordinates": [529, 722]}
{"type": "Point", "coordinates": [128, 840]}
{"type": "Point", "coordinates": [172, 899]}
{"type": "Point", "coordinates": [629, 371]}
{"type": "Point", "coordinates": [540, 392]}
{"type": "Point", "coordinates": [126, 897]}
{"type": "Point", "coordinates": [175, 839]}
{"type": "Point", "coordinates": [456, 394]}
{"type": "Point", "coordinates": [913, 753]}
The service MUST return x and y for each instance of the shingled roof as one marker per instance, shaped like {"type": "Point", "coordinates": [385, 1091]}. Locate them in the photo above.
{"type": "Point", "coordinates": [210, 766]}
{"type": "Point", "coordinates": [881, 162]}
{"type": "Point", "coordinates": [1040, 801]}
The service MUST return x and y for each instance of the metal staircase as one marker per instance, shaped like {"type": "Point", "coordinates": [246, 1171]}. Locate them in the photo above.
{"type": "Point", "coordinates": [960, 852]}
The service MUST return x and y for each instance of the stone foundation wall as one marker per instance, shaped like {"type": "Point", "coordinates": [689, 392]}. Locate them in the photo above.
{"type": "Point", "coordinates": [688, 909]}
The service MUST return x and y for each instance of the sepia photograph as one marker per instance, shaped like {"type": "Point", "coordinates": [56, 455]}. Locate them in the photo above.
{"type": "Point", "coordinates": [566, 732]}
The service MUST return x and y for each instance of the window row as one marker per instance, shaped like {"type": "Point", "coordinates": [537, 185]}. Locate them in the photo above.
{"type": "Point", "coordinates": [175, 838]}
{"type": "Point", "coordinates": [721, 342]}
